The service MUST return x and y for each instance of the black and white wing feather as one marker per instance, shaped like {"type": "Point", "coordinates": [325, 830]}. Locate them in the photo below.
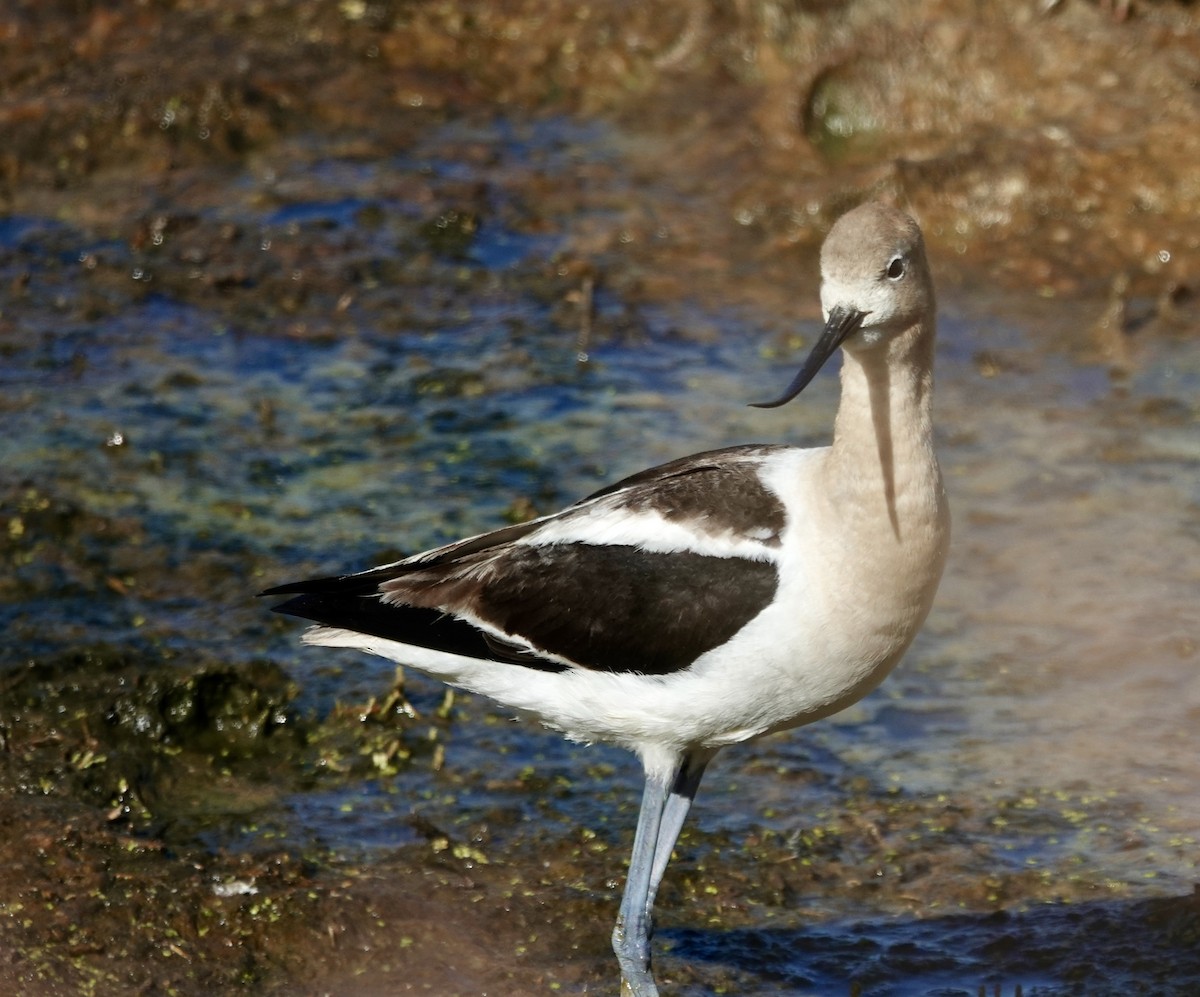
{"type": "Point", "coordinates": [644, 575]}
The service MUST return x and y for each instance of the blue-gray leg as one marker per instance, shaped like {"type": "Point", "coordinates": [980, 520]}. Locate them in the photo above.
{"type": "Point", "coordinates": [665, 805]}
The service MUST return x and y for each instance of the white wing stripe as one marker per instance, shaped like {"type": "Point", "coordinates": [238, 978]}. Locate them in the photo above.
{"type": "Point", "coordinates": [648, 531]}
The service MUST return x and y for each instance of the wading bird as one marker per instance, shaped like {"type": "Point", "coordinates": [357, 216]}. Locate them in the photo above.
{"type": "Point", "coordinates": [708, 601]}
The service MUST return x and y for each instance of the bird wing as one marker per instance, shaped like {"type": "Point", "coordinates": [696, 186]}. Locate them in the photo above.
{"type": "Point", "coordinates": [644, 575]}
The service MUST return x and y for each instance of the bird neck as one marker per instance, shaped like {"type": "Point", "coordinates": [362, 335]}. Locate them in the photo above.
{"type": "Point", "coordinates": [882, 465]}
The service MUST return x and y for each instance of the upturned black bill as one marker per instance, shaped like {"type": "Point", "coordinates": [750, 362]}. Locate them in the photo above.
{"type": "Point", "coordinates": [841, 323]}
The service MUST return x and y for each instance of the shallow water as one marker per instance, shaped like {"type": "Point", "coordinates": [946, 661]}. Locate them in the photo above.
{"type": "Point", "coordinates": [1055, 691]}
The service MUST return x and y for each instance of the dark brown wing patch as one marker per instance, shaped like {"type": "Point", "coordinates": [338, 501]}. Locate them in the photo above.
{"type": "Point", "coordinates": [720, 490]}
{"type": "Point", "coordinates": [612, 608]}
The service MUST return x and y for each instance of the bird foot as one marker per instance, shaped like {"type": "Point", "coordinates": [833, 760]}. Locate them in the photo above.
{"type": "Point", "coordinates": [632, 949]}
{"type": "Point", "coordinates": [638, 983]}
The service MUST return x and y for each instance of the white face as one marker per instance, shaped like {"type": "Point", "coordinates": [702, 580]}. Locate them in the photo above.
{"type": "Point", "coordinates": [888, 282]}
{"type": "Point", "coordinates": [879, 297]}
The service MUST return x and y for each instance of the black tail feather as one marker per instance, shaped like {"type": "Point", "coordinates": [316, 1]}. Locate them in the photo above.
{"type": "Point", "coordinates": [352, 603]}
{"type": "Point", "coordinates": [362, 583]}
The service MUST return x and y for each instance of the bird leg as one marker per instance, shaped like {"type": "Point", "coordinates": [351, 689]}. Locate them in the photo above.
{"type": "Point", "coordinates": [665, 805]}
{"type": "Point", "coordinates": [631, 936]}
{"type": "Point", "coordinates": [679, 802]}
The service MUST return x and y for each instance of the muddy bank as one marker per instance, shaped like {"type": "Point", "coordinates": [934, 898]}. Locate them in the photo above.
{"type": "Point", "coordinates": [1050, 146]}
{"type": "Point", "coordinates": [118, 771]}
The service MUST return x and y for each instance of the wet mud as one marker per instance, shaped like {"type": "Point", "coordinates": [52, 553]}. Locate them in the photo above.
{"type": "Point", "coordinates": [290, 288]}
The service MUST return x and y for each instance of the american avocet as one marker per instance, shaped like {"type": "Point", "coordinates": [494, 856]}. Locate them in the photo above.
{"type": "Point", "coordinates": [711, 600]}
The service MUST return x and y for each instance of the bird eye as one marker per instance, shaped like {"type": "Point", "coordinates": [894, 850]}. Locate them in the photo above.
{"type": "Point", "coordinates": [895, 269]}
